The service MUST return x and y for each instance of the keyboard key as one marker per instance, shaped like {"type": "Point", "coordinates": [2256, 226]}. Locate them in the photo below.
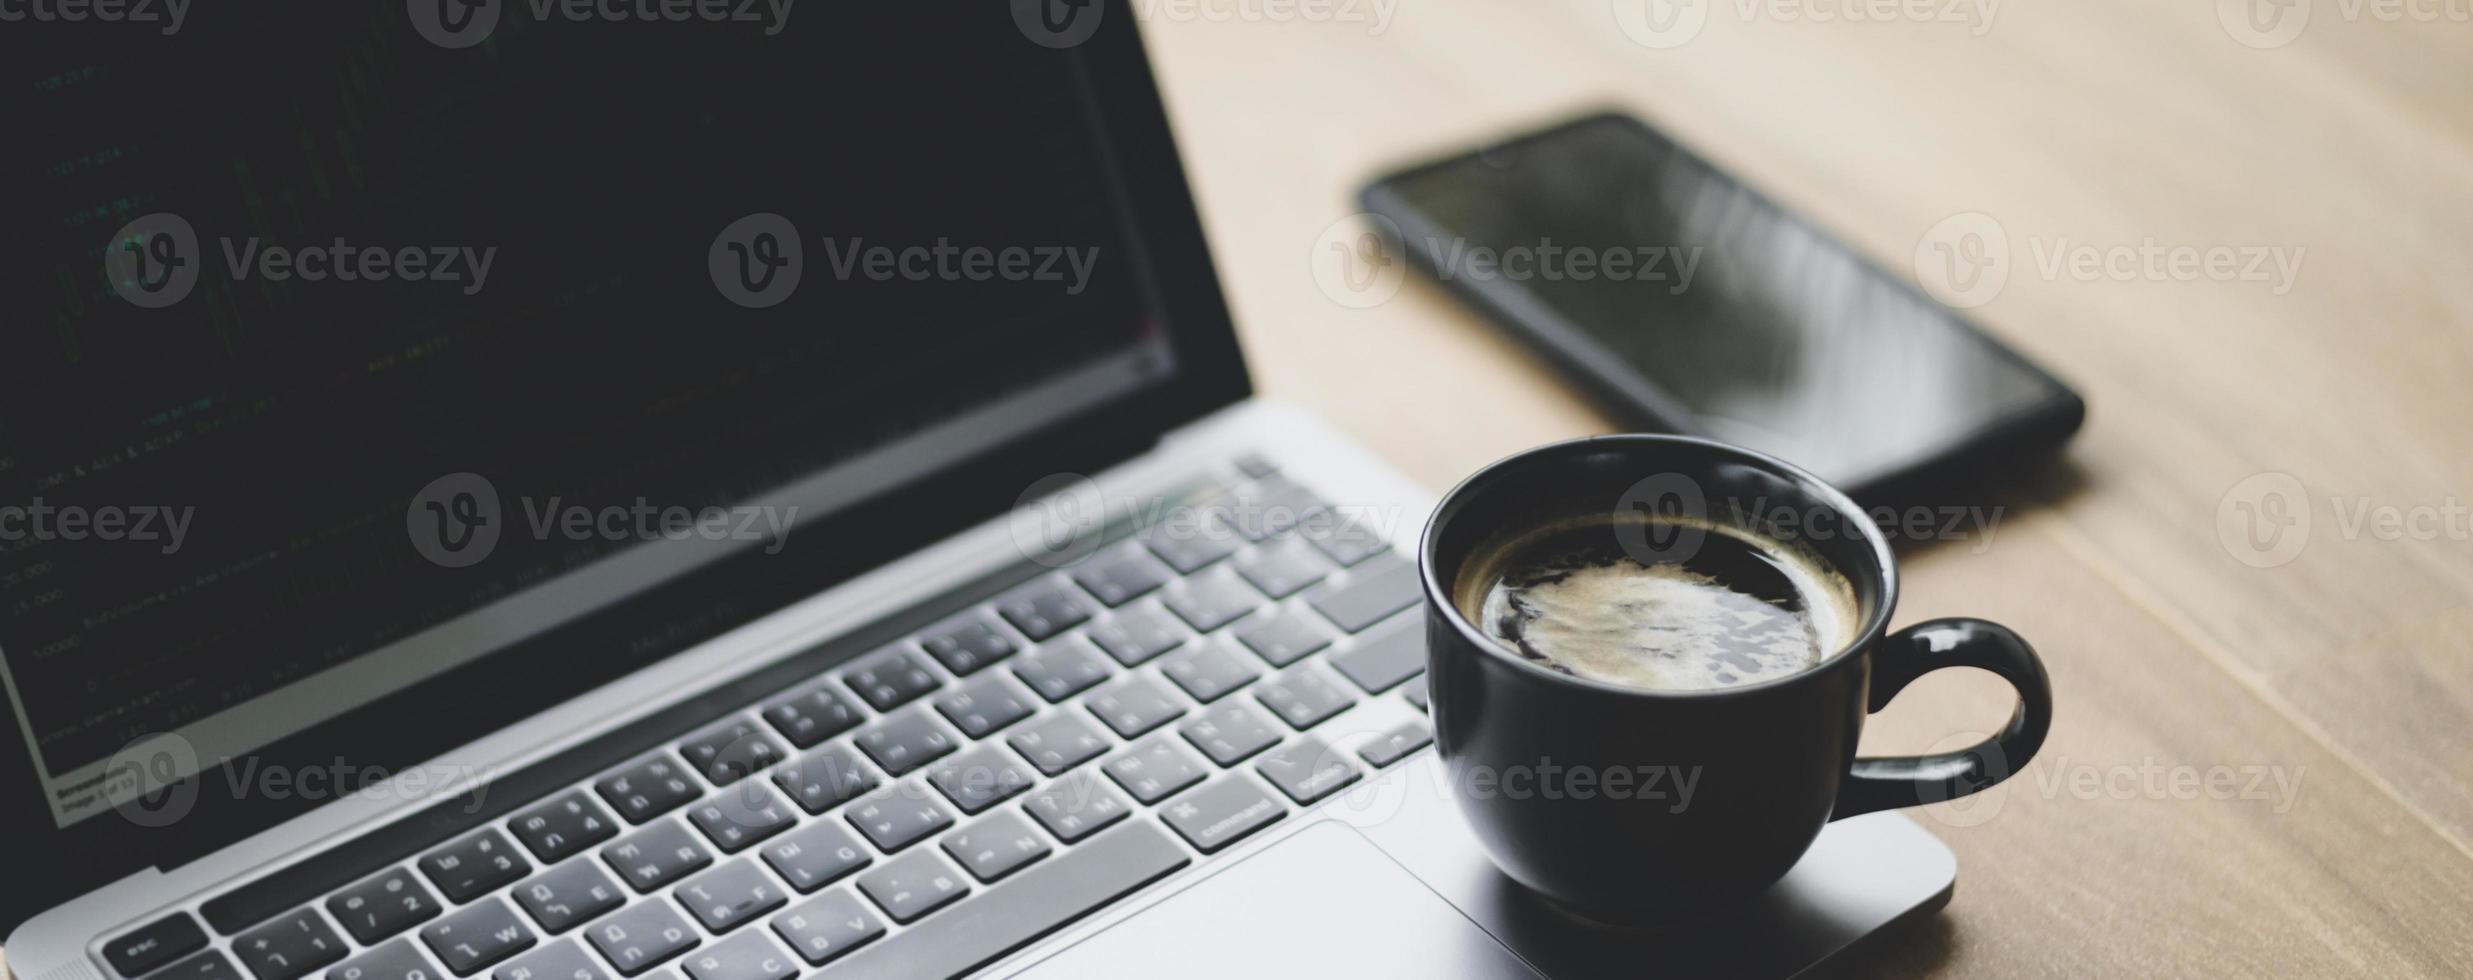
{"type": "Point", "coordinates": [739, 817]}
{"type": "Point", "coordinates": [825, 778]}
{"type": "Point", "coordinates": [1211, 672]}
{"type": "Point", "coordinates": [656, 856]}
{"type": "Point", "coordinates": [1308, 770]}
{"type": "Point", "coordinates": [1268, 508]}
{"type": "Point", "coordinates": [1231, 732]}
{"type": "Point", "coordinates": [1121, 577]}
{"type": "Point", "coordinates": [1303, 698]}
{"type": "Point", "coordinates": [1212, 599]}
{"type": "Point", "coordinates": [1044, 611]}
{"type": "Point", "coordinates": [1062, 669]}
{"type": "Point", "coordinates": [648, 789]}
{"type": "Point", "coordinates": [1282, 568]}
{"type": "Point", "coordinates": [890, 679]}
{"type": "Point", "coordinates": [471, 867]}
{"type": "Point", "coordinates": [641, 936]}
{"type": "Point", "coordinates": [729, 896]}
{"type": "Point", "coordinates": [1343, 536]}
{"type": "Point", "coordinates": [475, 937]}
{"type": "Point", "coordinates": [1283, 637]}
{"type": "Point", "coordinates": [898, 819]}
{"type": "Point", "coordinates": [748, 957]}
{"type": "Point", "coordinates": [1042, 899]}
{"type": "Point", "coordinates": [159, 942]}
{"type": "Point", "coordinates": [1254, 465]}
{"type": "Point", "coordinates": [1059, 742]}
{"type": "Point", "coordinates": [1415, 690]}
{"type": "Point", "coordinates": [1134, 705]}
{"type": "Point", "coordinates": [397, 960]}
{"type": "Point", "coordinates": [382, 906]}
{"type": "Point", "coordinates": [568, 895]}
{"type": "Point", "coordinates": [968, 647]}
{"type": "Point", "coordinates": [985, 705]}
{"type": "Point", "coordinates": [1397, 745]}
{"type": "Point", "coordinates": [1138, 634]}
{"type": "Point", "coordinates": [1391, 653]}
{"type": "Point", "coordinates": [731, 751]}
{"type": "Point", "coordinates": [1077, 806]}
{"type": "Point", "coordinates": [905, 742]}
{"type": "Point", "coordinates": [913, 885]}
{"type": "Point", "coordinates": [563, 827]}
{"type": "Point", "coordinates": [209, 965]}
{"type": "Point", "coordinates": [289, 947]}
{"type": "Point", "coordinates": [812, 715]}
{"type": "Point", "coordinates": [816, 855]}
{"type": "Point", "coordinates": [822, 928]}
{"type": "Point", "coordinates": [1372, 592]}
{"type": "Point", "coordinates": [1187, 545]}
{"type": "Point", "coordinates": [981, 778]}
{"type": "Point", "coordinates": [562, 960]}
{"type": "Point", "coordinates": [995, 847]}
{"type": "Point", "coordinates": [1155, 770]}
{"type": "Point", "coordinates": [1220, 814]}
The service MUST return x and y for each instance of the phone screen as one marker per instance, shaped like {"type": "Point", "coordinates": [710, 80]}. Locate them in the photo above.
{"type": "Point", "coordinates": [1615, 244]}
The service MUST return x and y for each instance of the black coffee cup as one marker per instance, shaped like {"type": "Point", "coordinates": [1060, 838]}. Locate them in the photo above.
{"type": "Point", "coordinates": [1722, 790]}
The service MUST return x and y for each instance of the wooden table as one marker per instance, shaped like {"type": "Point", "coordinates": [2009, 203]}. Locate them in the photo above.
{"type": "Point", "coordinates": [2152, 837]}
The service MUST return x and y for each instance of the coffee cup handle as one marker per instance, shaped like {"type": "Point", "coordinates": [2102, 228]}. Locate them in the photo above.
{"type": "Point", "coordinates": [1904, 781]}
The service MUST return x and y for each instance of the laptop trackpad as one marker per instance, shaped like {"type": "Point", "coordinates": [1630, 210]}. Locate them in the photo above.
{"type": "Point", "coordinates": [1325, 902]}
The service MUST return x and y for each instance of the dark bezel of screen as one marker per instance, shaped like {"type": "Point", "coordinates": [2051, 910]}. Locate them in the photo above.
{"type": "Point", "coordinates": [417, 724]}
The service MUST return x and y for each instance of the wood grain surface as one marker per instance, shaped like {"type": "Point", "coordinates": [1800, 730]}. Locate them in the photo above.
{"type": "Point", "coordinates": [2257, 769]}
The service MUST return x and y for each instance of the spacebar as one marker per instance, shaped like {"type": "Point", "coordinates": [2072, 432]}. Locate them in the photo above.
{"type": "Point", "coordinates": [1041, 899]}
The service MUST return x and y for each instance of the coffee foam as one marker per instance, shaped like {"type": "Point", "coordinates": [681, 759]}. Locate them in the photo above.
{"type": "Point", "coordinates": [1661, 626]}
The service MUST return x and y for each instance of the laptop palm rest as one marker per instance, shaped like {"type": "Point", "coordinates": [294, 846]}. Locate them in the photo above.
{"type": "Point", "coordinates": [1323, 903]}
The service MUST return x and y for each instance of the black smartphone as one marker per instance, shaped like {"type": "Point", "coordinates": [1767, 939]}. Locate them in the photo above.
{"type": "Point", "coordinates": [1684, 301]}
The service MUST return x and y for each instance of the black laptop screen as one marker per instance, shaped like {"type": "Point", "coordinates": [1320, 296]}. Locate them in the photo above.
{"type": "Point", "coordinates": [350, 348]}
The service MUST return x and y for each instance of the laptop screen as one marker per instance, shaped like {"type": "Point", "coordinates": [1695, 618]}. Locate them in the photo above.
{"type": "Point", "coordinates": [360, 346]}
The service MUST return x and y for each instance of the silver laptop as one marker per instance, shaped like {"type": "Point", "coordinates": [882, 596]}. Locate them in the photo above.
{"type": "Point", "coordinates": [792, 505]}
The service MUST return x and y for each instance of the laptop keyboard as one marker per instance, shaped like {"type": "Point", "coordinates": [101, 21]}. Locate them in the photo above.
{"type": "Point", "coordinates": [926, 808]}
